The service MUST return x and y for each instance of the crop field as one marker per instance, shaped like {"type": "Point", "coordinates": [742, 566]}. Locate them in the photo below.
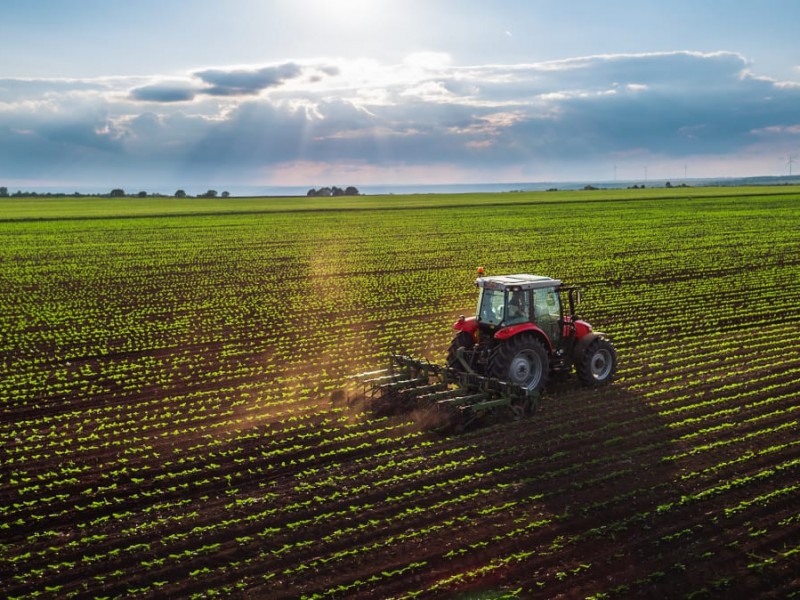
{"type": "Point", "coordinates": [173, 421]}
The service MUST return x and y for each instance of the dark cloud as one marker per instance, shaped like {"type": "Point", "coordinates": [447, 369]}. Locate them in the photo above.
{"type": "Point", "coordinates": [681, 69]}
{"type": "Point", "coordinates": [165, 93]}
{"type": "Point", "coordinates": [255, 133]}
{"type": "Point", "coordinates": [242, 82]}
{"type": "Point", "coordinates": [231, 82]}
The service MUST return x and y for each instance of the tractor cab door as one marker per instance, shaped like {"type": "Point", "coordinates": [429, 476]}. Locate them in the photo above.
{"type": "Point", "coordinates": [547, 313]}
{"type": "Point", "coordinates": [518, 307]}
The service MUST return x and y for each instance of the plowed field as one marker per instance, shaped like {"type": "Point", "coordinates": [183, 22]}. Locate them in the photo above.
{"type": "Point", "coordinates": [173, 423]}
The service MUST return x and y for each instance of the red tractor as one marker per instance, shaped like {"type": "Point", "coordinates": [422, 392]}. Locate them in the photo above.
{"type": "Point", "coordinates": [525, 328]}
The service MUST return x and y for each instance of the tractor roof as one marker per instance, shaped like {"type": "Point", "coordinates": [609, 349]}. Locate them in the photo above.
{"type": "Point", "coordinates": [516, 282]}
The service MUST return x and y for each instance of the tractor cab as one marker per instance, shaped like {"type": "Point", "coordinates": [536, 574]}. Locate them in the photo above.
{"type": "Point", "coordinates": [514, 300]}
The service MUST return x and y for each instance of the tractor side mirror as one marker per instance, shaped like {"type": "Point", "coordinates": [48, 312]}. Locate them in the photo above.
{"type": "Point", "coordinates": [576, 297]}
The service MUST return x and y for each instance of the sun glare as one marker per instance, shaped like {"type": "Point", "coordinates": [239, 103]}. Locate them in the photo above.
{"type": "Point", "coordinates": [342, 13]}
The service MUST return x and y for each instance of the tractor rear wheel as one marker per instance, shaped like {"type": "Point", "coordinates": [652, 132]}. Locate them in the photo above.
{"type": "Point", "coordinates": [462, 340]}
{"type": "Point", "coordinates": [598, 364]}
{"type": "Point", "coordinates": [521, 360]}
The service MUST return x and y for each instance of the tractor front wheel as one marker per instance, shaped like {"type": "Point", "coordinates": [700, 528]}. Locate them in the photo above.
{"type": "Point", "coordinates": [521, 360]}
{"type": "Point", "coordinates": [598, 364]}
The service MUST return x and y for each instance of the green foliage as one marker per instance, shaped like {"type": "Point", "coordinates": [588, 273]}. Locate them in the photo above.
{"type": "Point", "coordinates": [170, 382]}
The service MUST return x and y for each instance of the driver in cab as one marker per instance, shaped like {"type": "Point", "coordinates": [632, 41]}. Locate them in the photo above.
{"type": "Point", "coordinates": [517, 308]}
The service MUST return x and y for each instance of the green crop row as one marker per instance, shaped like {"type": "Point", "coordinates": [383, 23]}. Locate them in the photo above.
{"type": "Point", "coordinates": [172, 398]}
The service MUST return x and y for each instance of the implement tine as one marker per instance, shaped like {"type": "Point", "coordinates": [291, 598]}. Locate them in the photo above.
{"type": "Point", "coordinates": [368, 374]}
{"type": "Point", "coordinates": [462, 397]}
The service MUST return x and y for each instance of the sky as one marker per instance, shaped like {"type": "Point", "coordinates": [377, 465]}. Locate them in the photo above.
{"type": "Point", "coordinates": [159, 95]}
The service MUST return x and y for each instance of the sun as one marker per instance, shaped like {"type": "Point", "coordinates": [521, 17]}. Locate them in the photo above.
{"type": "Point", "coordinates": [352, 18]}
{"type": "Point", "coordinates": [343, 14]}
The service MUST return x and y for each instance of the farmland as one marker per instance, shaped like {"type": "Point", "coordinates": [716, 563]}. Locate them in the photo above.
{"type": "Point", "coordinates": [173, 423]}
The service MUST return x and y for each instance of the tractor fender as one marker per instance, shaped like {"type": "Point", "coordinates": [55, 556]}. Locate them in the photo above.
{"type": "Point", "coordinates": [584, 343]}
{"type": "Point", "coordinates": [582, 328]}
{"type": "Point", "coordinates": [468, 324]}
{"type": "Point", "coordinates": [575, 327]}
{"type": "Point", "coordinates": [509, 332]}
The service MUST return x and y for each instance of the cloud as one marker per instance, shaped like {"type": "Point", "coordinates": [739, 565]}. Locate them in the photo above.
{"type": "Point", "coordinates": [14, 90]}
{"type": "Point", "coordinates": [238, 82]}
{"type": "Point", "coordinates": [778, 130]}
{"type": "Point", "coordinates": [530, 119]}
{"type": "Point", "coordinates": [164, 92]}
{"type": "Point", "coordinates": [229, 82]}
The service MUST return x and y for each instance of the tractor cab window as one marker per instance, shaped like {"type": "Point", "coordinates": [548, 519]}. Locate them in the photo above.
{"type": "Point", "coordinates": [519, 307]}
{"type": "Point", "coordinates": [490, 306]}
{"type": "Point", "coordinates": [547, 312]}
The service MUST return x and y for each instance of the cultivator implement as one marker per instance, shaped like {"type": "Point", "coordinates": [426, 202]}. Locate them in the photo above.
{"type": "Point", "coordinates": [448, 397]}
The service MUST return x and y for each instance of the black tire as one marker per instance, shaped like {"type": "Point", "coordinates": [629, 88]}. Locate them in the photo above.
{"type": "Point", "coordinates": [522, 360]}
{"type": "Point", "coordinates": [598, 364]}
{"type": "Point", "coordinates": [462, 340]}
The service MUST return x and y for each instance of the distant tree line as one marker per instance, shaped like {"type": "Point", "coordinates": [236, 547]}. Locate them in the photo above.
{"type": "Point", "coordinates": [120, 193]}
{"type": "Point", "coordinates": [4, 193]}
{"type": "Point", "coordinates": [333, 191]}
{"type": "Point", "coordinates": [115, 193]}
